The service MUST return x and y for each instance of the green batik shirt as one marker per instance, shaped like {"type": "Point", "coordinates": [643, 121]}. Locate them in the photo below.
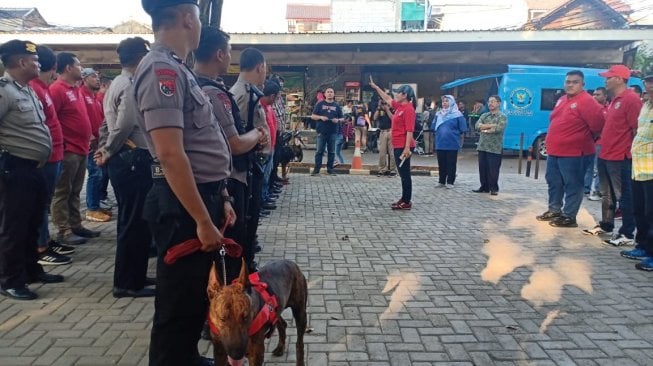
{"type": "Point", "coordinates": [492, 140]}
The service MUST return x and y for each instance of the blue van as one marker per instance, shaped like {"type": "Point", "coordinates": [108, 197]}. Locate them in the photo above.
{"type": "Point", "coordinates": [528, 95]}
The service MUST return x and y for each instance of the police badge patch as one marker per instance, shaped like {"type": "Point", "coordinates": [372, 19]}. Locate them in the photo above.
{"type": "Point", "coordinates": [168, 87]}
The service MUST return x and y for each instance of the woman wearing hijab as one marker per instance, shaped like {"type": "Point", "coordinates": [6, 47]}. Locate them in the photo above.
{"type": "Point", "coordinates": [449, 126]}
{"type": "Point", "coordinates": [403, 125]}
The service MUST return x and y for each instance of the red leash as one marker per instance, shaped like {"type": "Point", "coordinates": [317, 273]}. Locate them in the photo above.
{"type": "Point", "coordinates": [191, 246]}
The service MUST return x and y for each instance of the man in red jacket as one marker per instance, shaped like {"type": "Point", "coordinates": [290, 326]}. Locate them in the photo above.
{"type": "Point", "coordinates": [51, 252]}
{"type": "Point", "coordinates": [88, 91]}
{"type": "Point", "coordinates": [615, 159]}
{"type": "Point", "coordinates": [76, 127]}
{"type": "Point", "coordinates": [575, 121]}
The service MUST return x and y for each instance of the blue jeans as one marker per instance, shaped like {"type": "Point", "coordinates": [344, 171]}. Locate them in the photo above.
{"type": "Point", "coordinates": [267, 172]}
{"type": "Point", "coordinates": [323, 141]}
{"type": "Point", "coordinates": [616, 187]}
{"type": "Point", "coordinates": [592, 174]}
{"type": "Point", "coordinates": [51, 172]}
{"type": "Point", "coordinates": [565, 178]}
{"type": "Point", "coordinates": [93, 184]}
{"type": "Point", "coordinates": [340, 140]}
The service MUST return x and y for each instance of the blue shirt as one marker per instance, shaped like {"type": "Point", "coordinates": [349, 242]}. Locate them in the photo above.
{"type": "Point", "coordinates": [447, 136]}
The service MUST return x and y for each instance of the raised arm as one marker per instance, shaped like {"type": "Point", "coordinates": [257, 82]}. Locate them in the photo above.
{"type": "Point", "coordinates": [380, 92]}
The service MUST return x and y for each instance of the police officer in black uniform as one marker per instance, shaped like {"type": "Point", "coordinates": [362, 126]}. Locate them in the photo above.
{"type": "Point", "coordinates": [212, 59]}
{"type": "Point", "coordinates": [25, 147]}
{"type": "Point", "coordinates": [188, 199]}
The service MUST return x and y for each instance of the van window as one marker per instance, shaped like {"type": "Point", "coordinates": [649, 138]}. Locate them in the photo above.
{"type": "Point", "coordinates": [550, 98]}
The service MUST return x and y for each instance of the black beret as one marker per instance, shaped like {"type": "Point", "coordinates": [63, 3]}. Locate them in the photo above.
{"type": "Point", "coordinates": [17, 47]}
{"type": "Point", "coordinates": [150, 6]}
{"type": "Point", "coordinates": [132, 46]}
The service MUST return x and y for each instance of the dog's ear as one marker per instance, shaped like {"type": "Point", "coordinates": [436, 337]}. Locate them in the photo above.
{"type": "Point", "coordinates": [214, 284]}
{"type": "Point", "coordinates": [243, 279]}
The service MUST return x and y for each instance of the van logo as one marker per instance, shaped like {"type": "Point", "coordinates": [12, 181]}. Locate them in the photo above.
{"type": "Point", "coordinates": [521, 98]}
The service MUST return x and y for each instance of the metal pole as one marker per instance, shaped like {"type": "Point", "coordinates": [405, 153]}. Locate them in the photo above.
{"type": "Point", "coordinates": [528, 161]}
{"type": "Point", "coordinates": [537, 162]}
{"type": "Point", "coordinates": [521, 152]}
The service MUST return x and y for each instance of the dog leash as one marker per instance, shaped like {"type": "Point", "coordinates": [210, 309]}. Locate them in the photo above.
{"type": "Point", "coordinates": [228, 247]}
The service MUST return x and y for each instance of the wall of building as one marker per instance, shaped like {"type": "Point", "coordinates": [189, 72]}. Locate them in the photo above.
{"type": "Point", "coordinates": [363, 15]}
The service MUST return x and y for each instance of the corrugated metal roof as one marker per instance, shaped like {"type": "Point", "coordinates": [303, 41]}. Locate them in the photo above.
{"type": "Point", "coordinates": [308, 12]}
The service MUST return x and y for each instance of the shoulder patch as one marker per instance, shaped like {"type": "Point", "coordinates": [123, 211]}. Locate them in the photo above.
{"type": "Point", "coordinates": [225, 100]}
{"type": "Point", "coordinates": [167, 81]}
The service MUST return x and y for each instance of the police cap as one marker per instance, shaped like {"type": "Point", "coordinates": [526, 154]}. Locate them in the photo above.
{"type": "Point", "coordinates": [17, 47]}
{"type": "Point", "coordinates": [151, 6]}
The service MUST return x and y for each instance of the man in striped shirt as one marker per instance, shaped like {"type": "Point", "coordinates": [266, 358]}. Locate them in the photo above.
{"type": "Point", "coordinates": [642, 153]}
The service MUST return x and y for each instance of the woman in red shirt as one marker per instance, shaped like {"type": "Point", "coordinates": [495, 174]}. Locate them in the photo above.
{"type": "Point", "coordinates": [403, 125]}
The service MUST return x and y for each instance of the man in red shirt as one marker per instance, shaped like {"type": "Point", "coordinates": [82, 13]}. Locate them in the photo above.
{"type": "Point", "coordinates": [88, 90]}
{"type": "Point", "coordinates": [51, 252]}
{"type": "Point", "coordinates": [575, 120]}
{"type": "Point", "coordinates": [271, 90]}
{"type": "Point", "coordinates": [615, 161]}
{"type": "Point", "coordinates": [76, 126]}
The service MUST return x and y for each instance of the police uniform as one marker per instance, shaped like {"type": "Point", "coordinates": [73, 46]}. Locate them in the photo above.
{"type": "Point", "coordinates": [244, 93]}
{"type": "Point", "coordinates": [168, 96]}
{"type": "Point", "coordinates": [25, 147]}
{"type": "Point", "coordinates": [129, 170]}
{"type": "Point", "coordinates": [227, 113]}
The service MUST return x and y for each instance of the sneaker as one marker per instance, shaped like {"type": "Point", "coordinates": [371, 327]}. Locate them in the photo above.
{"type": "Point", "coordinates": [594, 196]}
{"type": "Point", "coordinates": [335, 164]}
{"type": "Point", "coordinates": [547, 216]}
{"type": "Point", "coordinates": [315, 174]}
{"type": "Point", "coordinates": [402, 206]}
{"type": "Point", "coordinates": [106, 211]}
{"type": "Point", "coordinates": [395, 204]}
{"type": "Point", "coordinates": [595, 231]}
{"type": "Point", "coordinates": [637, 253]}
{"type": "Point", "coordinates": [86, 233]}
{"type": "Point", "coordinates": [60, 248]}
{"type": "Point", "coordinates": [69, 238]}
{"type": "Point", "coordinates": [645, 265]}
{"type": "Point", "coordinates": [440, 185]}
{"type": "Point", "coordinates": [52, 258]}
{"type": "Point", "coordinates": [392, 174]}
{"type": "Point", "coordinates": [563, 221]}
{"type": "Point", "coordinates": [97, 216]}
{"type": "Point", "coordinates": [380, 173]}
{"type": "Point", "coordinates": [619, 240]}
{"type": "Point", "coordinates": [449, 186]}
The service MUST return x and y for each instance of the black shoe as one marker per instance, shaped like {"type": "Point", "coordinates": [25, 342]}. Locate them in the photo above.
{"type": "Point", "coordinates": [45, 278]}
{"type": "Point", "coordinates": [264, 212]}
{"type": "Point", "coordinates": [480, 190]}
{"type": "Point", "coordinates": [205, 361]}
{"type": "Point", "coordinates": [252, 267]}
{"type": "Point", "coordinates": [331, 172]}
{"type": "Point", "coordinates": [270, 200]}
{"type": "Point", "coordinates": [273, 196]}
{"type": "Point", "coordinates": [86, 233]}
{"type": "Point", "coordinates": [548, 216]}
{"type": "Point", "coordinates": [380, 174]}
{"type": "Point", "coordinates": [275, 190]}
{"type": "Point", "coordinates": [257, 249]}
{"type": "Point", "coordinates": [19, 293]}
{"type": "Point", "coordinates": [563, 221]}
{"type": "Point", "coordinates": [277, 186]}
{"type": "Point", "coordinates": [59, 248]}
{"type": "Point", "coordinates": [68, 238]}
{"type": "Point", "coordinates": [122, 292]}
{"type": "Point", "coordinates": [150, 281]}
{"type": "Point", "coordinates": [264, 215]}
{"type": "Point", "coordinates": [494, 193]}
{"type": "Point", "coordinates": [268, 206]}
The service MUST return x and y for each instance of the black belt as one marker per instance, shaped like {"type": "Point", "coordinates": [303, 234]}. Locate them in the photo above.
{"type": "Point", "coordinates": [158, 176]}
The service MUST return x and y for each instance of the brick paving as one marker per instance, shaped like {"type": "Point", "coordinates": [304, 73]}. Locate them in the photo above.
{"type": "Point", "coordinates": [461, 279]}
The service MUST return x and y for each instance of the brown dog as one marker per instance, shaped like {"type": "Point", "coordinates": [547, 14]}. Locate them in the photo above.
{"type": "Point", "coordinates": [233, 309]}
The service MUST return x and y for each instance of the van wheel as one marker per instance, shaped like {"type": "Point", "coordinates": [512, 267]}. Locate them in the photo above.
{"type": "Point", "coordinates": [540, 145]}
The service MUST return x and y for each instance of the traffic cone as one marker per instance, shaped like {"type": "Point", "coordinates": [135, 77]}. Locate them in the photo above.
{"type": "Point", "coordinates": [357, 161]}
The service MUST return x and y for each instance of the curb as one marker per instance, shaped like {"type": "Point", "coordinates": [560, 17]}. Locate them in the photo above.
{"type": "Point", "coordinates": [415, 170]}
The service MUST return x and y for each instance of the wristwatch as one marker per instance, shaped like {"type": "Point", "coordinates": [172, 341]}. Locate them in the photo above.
{"type": "Point", "coordinates": [229, 199]}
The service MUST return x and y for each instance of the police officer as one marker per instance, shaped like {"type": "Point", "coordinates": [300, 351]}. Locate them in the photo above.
{"type": "Point", "coordinates": [188, 199]}
{"type": "Point", "coordinates": [129, 170]}
{"type": "Point", "coordinates": [25, 147]}
{"type": "Point", "coordinates": [213, 58]}
{"type": "Point", "coordinates": [247, 93]}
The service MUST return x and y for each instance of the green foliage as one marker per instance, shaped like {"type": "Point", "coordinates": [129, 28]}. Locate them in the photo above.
{"type": "Point", "coordinates": [644, 60]}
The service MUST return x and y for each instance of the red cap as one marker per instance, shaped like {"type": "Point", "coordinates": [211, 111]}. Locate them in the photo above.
{"type": "Point", "coordinates": [621, 71]}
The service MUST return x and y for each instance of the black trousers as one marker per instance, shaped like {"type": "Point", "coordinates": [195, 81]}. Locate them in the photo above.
{"type": "Point", "coordinates": [181, 302]}
{"type": "Point", "coordinates": [22, 200]}
{"type": "Point", "coordinates": [643, 212]}
{"type": "Point", "coordinates": [254, 209]}
{"type": "Point", "coordinates": [489, 165]}
{"type": "Point", "coordinates": [238, 232]}
{"type": "Point", "coordinates": [447, 161]}
{"type": "Point", "coordinates": [404, 174]}
{"type": "Point", "coordinates": [131, 179]}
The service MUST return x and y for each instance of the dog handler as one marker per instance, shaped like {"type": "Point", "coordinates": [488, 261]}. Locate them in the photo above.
{"type": "Point", "coordinates": [188, 199]}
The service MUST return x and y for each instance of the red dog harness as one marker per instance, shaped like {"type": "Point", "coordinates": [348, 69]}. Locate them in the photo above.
{"type": "Point", "coordinates": [267, 316]}
{"type": "Point", "coordinates": [191, 246]}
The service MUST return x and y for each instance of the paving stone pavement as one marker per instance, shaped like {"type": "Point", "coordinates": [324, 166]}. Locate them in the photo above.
{"type": "Point", "coordinates": [461, 279]}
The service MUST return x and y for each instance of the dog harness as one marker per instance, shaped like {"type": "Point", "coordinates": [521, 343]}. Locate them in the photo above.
{"type": "Point", "coordinates": [266, 317]}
